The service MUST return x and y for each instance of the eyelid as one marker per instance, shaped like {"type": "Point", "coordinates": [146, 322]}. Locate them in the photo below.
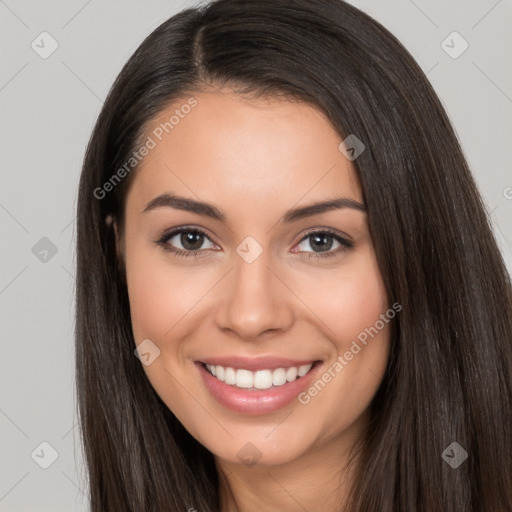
{"type": "Point", "coordinates": [169, 233]}
{"type": "Point", "coordinates": [330, 231]}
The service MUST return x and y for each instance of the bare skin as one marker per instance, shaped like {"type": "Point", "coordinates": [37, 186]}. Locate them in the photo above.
{"type": "Point", "coordinates": [255, 160]}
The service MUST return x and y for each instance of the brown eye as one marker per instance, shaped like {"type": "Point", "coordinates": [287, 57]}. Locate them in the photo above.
{"type": "Point", "coordinates": [321, 243]}
{"type": "Point", "coordinates": [191, 240]}
{"type": "Point", "coordinates": [184, 241]}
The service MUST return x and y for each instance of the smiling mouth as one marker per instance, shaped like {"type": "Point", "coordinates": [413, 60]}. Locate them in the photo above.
{"type": "Point", "coordinates": [259, 379]}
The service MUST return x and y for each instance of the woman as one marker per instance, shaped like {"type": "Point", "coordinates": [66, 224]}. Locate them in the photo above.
{"type": "Point", "coordinates": [288, 293]}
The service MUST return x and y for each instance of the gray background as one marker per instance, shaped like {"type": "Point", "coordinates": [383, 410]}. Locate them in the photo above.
{"type": "Point", "coordinates": [48, 107]}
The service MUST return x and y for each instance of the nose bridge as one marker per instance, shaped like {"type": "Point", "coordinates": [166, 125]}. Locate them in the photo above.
{"type": "Point", "coordinates": [251, 273]}
{"type": "Point", "coordinates": [254, 299]}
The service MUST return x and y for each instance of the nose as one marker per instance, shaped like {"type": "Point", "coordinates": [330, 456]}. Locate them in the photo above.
{"type": "Point", "coordinates": [254, 300]}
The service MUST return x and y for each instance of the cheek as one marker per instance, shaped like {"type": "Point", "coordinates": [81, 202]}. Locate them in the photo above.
{"type": "Point", "coordinates": [160, 294]}
{"type": "Point", "coordinates": [352, 305]}
{"type": "Point", "coordinates": [351, 300]}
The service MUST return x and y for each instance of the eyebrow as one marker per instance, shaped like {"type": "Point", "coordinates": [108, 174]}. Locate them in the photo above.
{"type": "Point", "coordinates": [208, 210]}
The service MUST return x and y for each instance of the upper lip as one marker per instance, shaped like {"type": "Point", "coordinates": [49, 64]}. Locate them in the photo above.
{"type": "Point", "coordinates": [255, 363]}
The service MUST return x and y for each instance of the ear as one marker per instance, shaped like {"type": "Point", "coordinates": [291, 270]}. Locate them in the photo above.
{"type": "Point", "coordinates": [111, 222]}
{"type": "Point", "coordinates": [119, 243]}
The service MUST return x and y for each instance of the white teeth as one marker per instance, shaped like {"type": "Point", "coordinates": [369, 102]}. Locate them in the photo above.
{"type": "Point", "coordinates": [279, 377]}
{"type": "Point", "coordinates": [244, 379]}
{"type": "Point", "coordinates": [261, 379]}
{"type": "Point", "coordinates": [291, 373]}
{"type": "Point", "coordinates": [230, 376]}
{"type": "Point", "coordinates": [219, 372]}
{"type": "Point", "coordinates": [302, 369]}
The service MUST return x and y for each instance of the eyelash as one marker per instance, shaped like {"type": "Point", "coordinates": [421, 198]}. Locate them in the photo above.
{"type": "Point", "coordinates": [163, 242]}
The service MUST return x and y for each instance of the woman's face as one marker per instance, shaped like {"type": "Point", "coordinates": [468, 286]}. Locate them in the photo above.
{"type": "Point", "coordinates": [259, 293]}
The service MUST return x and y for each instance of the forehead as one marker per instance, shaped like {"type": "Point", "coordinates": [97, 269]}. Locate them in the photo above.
{"type": "Point", "coordinates": [243, 152]}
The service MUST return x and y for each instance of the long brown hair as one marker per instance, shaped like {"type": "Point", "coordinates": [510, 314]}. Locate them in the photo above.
{"type": "Point", "coordinates": [449, 377]}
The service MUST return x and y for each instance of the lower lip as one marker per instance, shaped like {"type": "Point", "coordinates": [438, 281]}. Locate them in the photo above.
{"type": "Point", "coordinates": [254, 402]}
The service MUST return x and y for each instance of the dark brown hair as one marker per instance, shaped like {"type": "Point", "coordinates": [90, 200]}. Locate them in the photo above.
{"type": "Point", "coordinates": [449, 376]}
